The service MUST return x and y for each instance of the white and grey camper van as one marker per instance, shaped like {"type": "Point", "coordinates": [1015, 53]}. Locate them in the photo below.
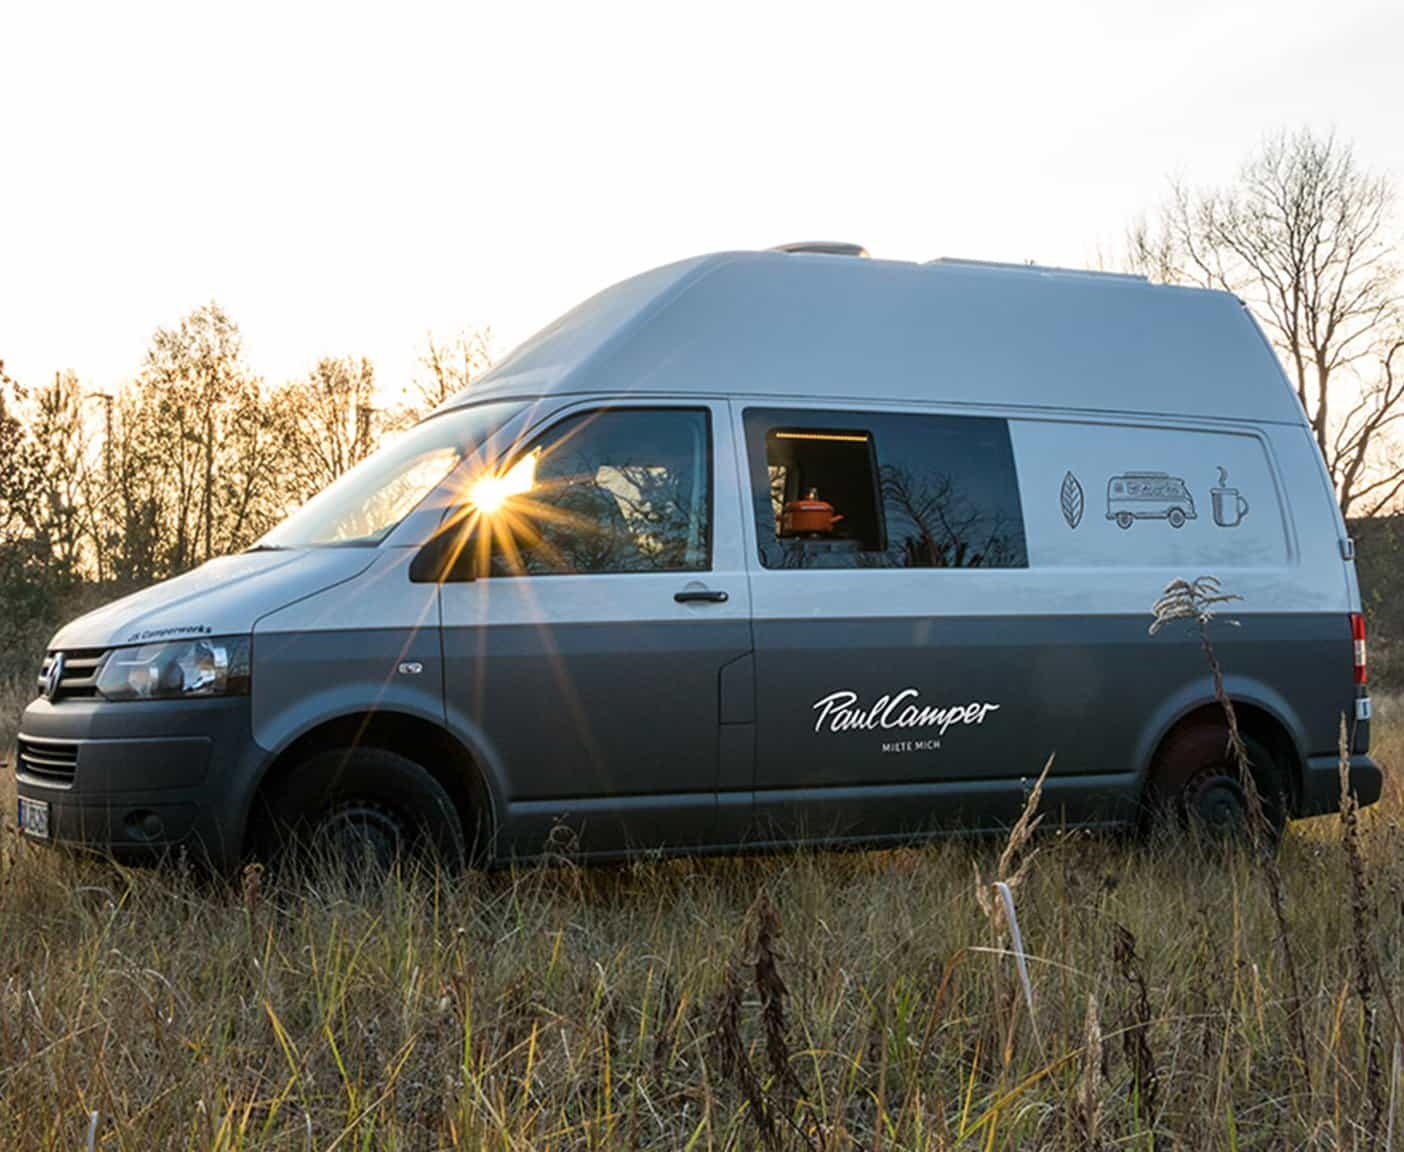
{"type": "Point", "coordinates": [753, 547]}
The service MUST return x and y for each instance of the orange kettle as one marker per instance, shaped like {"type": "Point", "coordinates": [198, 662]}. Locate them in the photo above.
{"type": "Point", "coordinates": [809, 516]}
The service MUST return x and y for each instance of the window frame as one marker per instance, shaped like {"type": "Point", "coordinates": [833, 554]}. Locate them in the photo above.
{"type": "Point", "coordinates": [558, 419]}
{"type": "Point", "coordinates": [843, 418]}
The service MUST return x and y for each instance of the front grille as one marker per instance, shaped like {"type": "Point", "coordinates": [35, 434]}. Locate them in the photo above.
{"type": "Point", "coordinates": [52, 761]}
{"type": "Point", "coordinates": [80, 673]}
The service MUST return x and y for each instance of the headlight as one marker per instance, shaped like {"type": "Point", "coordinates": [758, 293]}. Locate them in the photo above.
{"type": "Point", "coordinates": [206, 667]}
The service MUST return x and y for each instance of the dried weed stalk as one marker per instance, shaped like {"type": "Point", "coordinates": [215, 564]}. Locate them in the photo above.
{"type": "Point", "coordinates": [764, 923]}
{"type": "Point", "coordinates": [1196, 600]}
{"type": "Point", "coordinates": [1360, 936]}
{"type": "Point", "coordinates": [760, 937]}
{"type": "Point", "coordinates": [735, 1061]}
{"type": "Point", "coordinates": [1135, 1033]}
{"type": "Point", "coordinates": [996, 899]}
{"type": "Point", "coordinates": [1087, 1102]}
{"type": "Point", "coordinates": [1014, 861]}
{"type": "Point", "coordinates": [251, 889]}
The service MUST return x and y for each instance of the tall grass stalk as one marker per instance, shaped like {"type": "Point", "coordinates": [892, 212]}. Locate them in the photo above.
{"type": "Point", "coordinates": [1361, 949]}
{"type": "Point", "coordinates": [1197, 600]}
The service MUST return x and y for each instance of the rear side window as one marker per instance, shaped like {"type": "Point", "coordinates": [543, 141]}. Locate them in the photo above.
{"type": "Point", "coordinates": [883, 490]}
{"type": "Point", "coordinates": [621, 490]}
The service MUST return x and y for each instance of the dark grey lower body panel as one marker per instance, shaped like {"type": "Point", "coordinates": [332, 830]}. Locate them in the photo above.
{"type": "Point", "coordinates": [851, 709]}
{"type": "Point", "coordinates": [614, 739]}
{"type": "Point", "coordinates": [956, 805]}
{"type": "Point", "coordinates": [148, 778]}
{"type": "Point", "coordinates": [617, 826]}
{"type": "Point", "coordinates": [610, 825]}
{"type": "Point", "coordinates": [1321, 784]}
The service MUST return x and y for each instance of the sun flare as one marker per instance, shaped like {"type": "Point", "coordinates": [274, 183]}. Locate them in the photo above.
{"type": "Point", "coordinates": [490, 492]}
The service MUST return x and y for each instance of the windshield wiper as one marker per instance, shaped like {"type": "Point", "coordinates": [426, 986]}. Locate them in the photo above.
{"type": "Point", "coordinates": [267, 548]}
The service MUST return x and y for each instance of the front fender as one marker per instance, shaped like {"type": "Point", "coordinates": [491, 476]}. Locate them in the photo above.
{"type": "Point", "coordinates": [303, 681]}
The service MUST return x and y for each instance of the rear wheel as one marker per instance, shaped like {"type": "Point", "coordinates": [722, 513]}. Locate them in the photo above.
{"type": "Point", "coordinates": [360, 807]}
{"type": "Point", "coordinates": [1215, 803]}
{"type": "Point", "coordinates": [1124, 519]}
{"type": "Point", "coordinates": [1195, 782]}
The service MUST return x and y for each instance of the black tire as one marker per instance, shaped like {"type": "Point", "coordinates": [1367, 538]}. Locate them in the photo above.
{"type": "Point", "coordinates": [359, 805]}
{"type": "Point", "coordinates": [1195, 782]}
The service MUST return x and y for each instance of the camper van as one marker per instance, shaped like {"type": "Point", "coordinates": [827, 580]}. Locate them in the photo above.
{"type": "Point", "coordinates": [751, 549]}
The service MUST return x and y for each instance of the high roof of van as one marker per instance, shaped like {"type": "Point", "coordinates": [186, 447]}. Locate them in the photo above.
{"type": "Point", "coordinates": [833, 327]}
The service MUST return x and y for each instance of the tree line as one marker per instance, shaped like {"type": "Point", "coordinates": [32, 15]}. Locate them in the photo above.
{"type": "Point", "coordinates": [102, 492]}
{"type": "Point", "coordinates": [198, 456]}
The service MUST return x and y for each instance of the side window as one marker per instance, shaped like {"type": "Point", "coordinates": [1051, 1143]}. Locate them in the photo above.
{"type": "Point", "coordinates": [622, 490]}
{"type": "Point", "coordinates": [883, 490]}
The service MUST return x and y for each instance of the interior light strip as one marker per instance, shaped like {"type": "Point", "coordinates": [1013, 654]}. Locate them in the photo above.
{"type": "Point", "coordinates": [844, 437]}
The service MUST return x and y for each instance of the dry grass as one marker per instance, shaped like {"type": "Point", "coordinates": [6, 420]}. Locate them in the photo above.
{"type": "Point", "coordinates": [801, 1001]}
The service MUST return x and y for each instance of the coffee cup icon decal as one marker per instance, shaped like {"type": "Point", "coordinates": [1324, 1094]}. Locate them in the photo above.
{"type": "Point", "coordinates": [1229, 506]}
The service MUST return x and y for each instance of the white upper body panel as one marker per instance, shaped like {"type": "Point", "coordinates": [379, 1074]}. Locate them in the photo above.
{"type": "Point", "coordinates": [836, 327]}
{"type": "Point", "coordinates": [1101, 377]}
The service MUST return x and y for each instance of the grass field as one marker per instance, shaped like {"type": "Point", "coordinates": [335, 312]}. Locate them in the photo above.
{"type": "Point", "coordinates": [809, 1000]}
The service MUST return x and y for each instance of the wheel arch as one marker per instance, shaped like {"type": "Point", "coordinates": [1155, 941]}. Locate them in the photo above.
{"type": "Point", "coordinates": [1261, 714]}
{"type": "Point", "coordinates": [456, 768]}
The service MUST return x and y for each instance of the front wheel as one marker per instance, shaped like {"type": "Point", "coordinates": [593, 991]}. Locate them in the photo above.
{"type": "Point", "coordinates": [1176, 518]}
{"type": "Point", "coordinates": [360, 807]}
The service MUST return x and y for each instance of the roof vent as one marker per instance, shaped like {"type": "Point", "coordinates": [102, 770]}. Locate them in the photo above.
{"type": "Point", "coordinates": [824, 248]}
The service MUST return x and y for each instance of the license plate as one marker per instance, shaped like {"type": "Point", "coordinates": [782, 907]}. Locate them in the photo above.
{"type": "Point", "coordinates": [34, 818]}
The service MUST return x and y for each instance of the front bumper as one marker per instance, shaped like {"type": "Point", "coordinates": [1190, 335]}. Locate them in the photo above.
{"type": "Point", "coordinates": [1321, 783]}
{"type": "Point", "coordinates": [143, 778]}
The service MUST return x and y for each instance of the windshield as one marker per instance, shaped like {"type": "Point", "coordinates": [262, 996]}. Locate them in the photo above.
{"type": "Point", "coordinates": [362, 506]}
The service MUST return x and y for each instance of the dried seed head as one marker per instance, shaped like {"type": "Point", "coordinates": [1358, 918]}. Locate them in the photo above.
{"type": "Point", "coordinates": [1189, 600]}
{"type": "Point", "coordinates": [1087, 1104]}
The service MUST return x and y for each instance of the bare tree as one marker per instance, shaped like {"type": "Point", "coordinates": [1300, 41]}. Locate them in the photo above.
{"type": "Point", "coordinates": [57, 453]}
{"type": "Point", "coordinates": [201, 447]}
{"type": "Point", "coordinates": [449, 368]}
{"type": "Point", "coordinates": [1303, 237]}
{"type": "Point", "coordinates": [333, 422]}
{"type": "Point", "coordinates": [13, 473]}
{"type": "Point", "coordinates": [140, 492]}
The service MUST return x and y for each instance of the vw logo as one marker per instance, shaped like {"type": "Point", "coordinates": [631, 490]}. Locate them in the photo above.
{"type": "Point", "coordinates": [53, 677]}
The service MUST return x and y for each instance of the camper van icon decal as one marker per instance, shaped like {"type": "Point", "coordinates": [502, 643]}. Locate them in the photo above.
{"type": "Point", "coordinates": [1134, 496]}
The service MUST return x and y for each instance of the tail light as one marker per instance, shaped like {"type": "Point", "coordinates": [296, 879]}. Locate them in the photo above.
{"type": "Point", "coordinates": [1357, 635]}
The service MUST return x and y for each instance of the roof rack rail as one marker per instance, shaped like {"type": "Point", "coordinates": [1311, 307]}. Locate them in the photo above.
{"type": "Point", "coordinates": [824, 248]}
{"type": "Point", "coordinates": [1042, 269]}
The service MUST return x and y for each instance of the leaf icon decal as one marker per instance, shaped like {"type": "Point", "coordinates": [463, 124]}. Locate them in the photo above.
{"type": "Point", "coordinates": [1071, 499]}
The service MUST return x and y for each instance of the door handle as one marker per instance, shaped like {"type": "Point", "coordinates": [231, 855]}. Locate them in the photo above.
{"type": "Point", "coordinates": [701, 596]}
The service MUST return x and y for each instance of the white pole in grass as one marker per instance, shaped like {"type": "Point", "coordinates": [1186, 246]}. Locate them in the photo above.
{"type": "Point", "coordinates": [1017, 939]}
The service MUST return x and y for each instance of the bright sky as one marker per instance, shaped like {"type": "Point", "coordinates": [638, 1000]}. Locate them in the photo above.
{"type": "Point", "coordinates": [343, 178]}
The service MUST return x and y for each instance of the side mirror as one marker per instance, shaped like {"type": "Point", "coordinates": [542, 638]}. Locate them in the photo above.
{"type": "Point", "coordinates": [448, 557]}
